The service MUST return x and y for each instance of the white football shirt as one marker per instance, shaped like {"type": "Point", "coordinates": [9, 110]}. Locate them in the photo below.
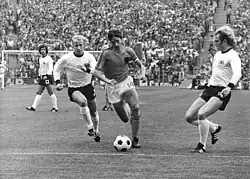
{"type": "Point", "coordinates": [226, 68]}
{"type": "Point", "coordinates": [75, 76]}
{"type": "Point", "coordinates": [45, 66]}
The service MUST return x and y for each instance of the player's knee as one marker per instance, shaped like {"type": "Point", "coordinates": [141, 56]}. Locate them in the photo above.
{"type": "Point", "coordinates": [135, 110]}
{"type": "Point", "coordinates": [84, 110]}
{"type": "Point", "coordinates": [201, 115]}
{"type": "Point", "coordinates": [39, 93]}
{"type": "Point", "coordinates": [51, 93]}
{"type": "Point", "coordinates": [82, 103]}
{"type": "Point", "coordinates": [189, 117]}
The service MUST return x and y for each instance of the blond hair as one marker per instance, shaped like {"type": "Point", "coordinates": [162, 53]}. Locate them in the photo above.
{"type": "Point", "coordinates": [228, 32]}
{"type": "Point", "coordinates": [80, 38]}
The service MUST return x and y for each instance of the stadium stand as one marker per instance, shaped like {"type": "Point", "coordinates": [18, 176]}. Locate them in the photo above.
{"type": "Point", "coordinates": [172, 32]}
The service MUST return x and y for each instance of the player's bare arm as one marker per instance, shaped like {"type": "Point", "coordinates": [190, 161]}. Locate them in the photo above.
{"type": "Point", "coordinates": [100, 75]}
{"type": "Point", "coordinates": [98, 72]}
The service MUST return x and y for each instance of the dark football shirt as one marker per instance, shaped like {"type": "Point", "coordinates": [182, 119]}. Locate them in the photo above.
{"type": "Point", "coordinates": [115, 65]}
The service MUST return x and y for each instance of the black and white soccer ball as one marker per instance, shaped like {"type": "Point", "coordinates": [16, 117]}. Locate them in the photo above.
{"type": "Point", "coordinates": [122, 143]}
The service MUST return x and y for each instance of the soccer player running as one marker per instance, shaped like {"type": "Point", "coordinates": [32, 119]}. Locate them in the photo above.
{"type": "Point", "coordinates": [45, 79]}
{"type": "Point", "coordinates": [78, 66]}
{"type": "Point", "coordinates": [114, 66]}
{"type": "Point", "coordinates": [226, 72]}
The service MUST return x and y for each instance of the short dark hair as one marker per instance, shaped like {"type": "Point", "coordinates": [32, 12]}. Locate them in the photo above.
{"type": "Point", "coordinates": [43, 46]}
{"type": "Point", "coordinates": [114, 33]}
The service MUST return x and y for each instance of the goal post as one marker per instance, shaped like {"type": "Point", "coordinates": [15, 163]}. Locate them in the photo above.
{"type": "Point", "coordinates": [22, 65]}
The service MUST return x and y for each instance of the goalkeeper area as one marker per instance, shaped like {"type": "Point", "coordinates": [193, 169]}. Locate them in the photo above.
{"type": "Point", "coordinates": [42, 144]}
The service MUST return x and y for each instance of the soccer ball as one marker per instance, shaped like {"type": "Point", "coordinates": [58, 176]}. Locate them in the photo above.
{"type": "Point", "coordinates": [122, 143]}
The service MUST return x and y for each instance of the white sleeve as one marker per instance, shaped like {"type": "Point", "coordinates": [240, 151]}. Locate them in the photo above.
{"type": "Point", "coordinates": [59, 66]}
{"type": "Point", "coordinates": [50, 70]}
{"type": "Point", "coordinates": [235, 63]}
{"type": "Point", "coordinates": [92, 62]}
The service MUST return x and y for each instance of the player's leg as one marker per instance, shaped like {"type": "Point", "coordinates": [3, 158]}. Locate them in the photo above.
{"type": "Point", "coordinates": [37, 98]}
{"type": "Point", "coordinates": [95, 118]}
{"type": "Point", "coordinates": [131, 97]}
{"type": "Point", "coordinates": [53, 98]}
{"type": "Point", "coordinates": [208, 109]}
{"type": "Point", "coordinates": [122, 111]}
{"type": "Point", "coordinates": [81, 100]}
{"type": "Point", "coordinates": [191, 115]}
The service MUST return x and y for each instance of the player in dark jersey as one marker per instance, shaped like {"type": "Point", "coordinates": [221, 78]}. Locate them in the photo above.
{"type": "Point", "coordinates": [113, 68]}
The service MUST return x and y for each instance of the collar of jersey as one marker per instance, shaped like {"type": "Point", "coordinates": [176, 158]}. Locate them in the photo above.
{"type": "Point", "coordinates": [78, 55]}
{"type": "Point", "coordinates": [227, 50]}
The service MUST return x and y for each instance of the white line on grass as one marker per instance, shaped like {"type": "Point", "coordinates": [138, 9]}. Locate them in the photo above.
{"type": "Point", "coordinates": [124, 154]}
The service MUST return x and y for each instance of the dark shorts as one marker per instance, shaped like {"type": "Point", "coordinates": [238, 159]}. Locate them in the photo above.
{"type": "Point", "coordinates": [46, 80]}
{"type": "Point", "coordinates": [88, 91]}
{"type": "Point", "coordinates": [212, 91]}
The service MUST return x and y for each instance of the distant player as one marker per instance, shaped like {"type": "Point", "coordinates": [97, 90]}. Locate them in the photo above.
{"type": "Point", "coordinates": [78, 66]}
{"type": "Point", "coordinates": [2, 71]}
{"type": "Point", "coordinates": [45, 79]}
{"type": "Point", "coordinates": [123, 95]}
{"type": "Point", "coordinates": [226, 72]}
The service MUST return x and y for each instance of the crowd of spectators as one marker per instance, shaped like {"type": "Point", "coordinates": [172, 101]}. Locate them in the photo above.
{"type": "Point", "coordinates": [172, 32]}
{"type": "Point", "coordinates": [241, 24]}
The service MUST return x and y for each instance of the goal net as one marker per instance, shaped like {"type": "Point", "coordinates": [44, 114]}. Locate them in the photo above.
{"type": "Point", "coordinates": [22, 66]}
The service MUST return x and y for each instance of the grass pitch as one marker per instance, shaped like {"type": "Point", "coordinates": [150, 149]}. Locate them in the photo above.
{"type": "Point", "coordinates": [48, 145]}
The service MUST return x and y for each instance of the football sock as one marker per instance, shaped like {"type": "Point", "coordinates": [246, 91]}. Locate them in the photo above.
{"type": "Point", "coordinates": [135, 124]}
{"type": "Point", "coordinates": [86, 115]}
{"type": "Point", "coordinates": [54, 101]}
{"type": "Point", "coordinates": [96, 122]}
{"type": "Point", "coordinates": [36, 101]}
{"type": "Point", "coordinates": [203, 130]}
{"type": "Point", "coordinates": [212, 126]}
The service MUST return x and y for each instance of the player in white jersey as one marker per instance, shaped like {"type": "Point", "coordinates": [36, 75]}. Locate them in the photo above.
{"type": "Point", "coordinates": [226, 72]}
{"type": "Point", "coordinates": [45, 79]}
{"type": "Point", "coordinates": [2, 71]}
{"type": "Point", "coordinates": [80, 88]}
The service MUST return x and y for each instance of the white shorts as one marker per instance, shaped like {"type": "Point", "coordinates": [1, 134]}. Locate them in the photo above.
{"type": "Point", "coordinates": [115, 93]}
